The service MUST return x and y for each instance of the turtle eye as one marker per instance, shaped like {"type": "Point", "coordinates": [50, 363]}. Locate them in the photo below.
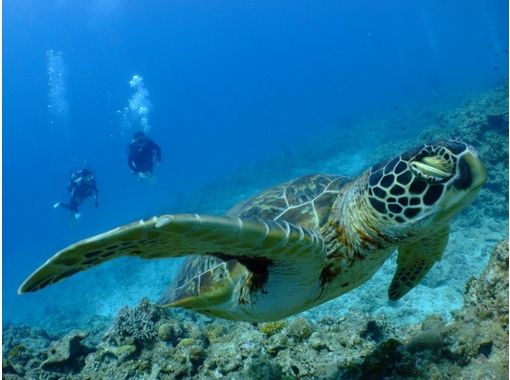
{"type": "Point", "coordinates": [434, 167]}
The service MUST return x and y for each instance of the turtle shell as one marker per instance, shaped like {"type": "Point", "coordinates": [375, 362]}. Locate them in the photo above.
{"type": "Point", "coordinates": [305, 201]}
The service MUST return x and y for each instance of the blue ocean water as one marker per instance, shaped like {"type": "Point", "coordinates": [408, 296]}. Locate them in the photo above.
{"type": "Point", "coordinates": [228, 84]}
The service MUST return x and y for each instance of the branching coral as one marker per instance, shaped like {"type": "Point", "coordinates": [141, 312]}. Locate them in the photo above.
{"type": "Point", "coordinates": [137, 323]}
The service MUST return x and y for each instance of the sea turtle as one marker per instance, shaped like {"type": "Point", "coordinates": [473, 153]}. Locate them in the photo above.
{"type": "Point", "coordinates": [299, 244]}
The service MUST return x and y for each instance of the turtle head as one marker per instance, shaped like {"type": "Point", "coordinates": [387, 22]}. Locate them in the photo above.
{"type": "Point", "coordinates": [426, 185]}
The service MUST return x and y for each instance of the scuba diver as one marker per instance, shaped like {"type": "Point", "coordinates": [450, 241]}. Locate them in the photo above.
{"type": "Point", "coordinates": [82, 185]}
{"type": "Point", "coordinates": [143, 154]}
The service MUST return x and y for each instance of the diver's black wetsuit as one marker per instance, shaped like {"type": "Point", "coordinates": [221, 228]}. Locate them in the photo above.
{"type": "Point", "coordinates": [82, 185]}
{"type": "Point", "coordinates": [143, 154]}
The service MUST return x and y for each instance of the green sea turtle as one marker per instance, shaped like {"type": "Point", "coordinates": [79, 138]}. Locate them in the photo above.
{"type": "Point", "coordinates": [299, 244]}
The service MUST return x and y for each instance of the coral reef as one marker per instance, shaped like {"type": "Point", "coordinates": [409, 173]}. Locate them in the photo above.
{"type": "Point", "coordinates": [271, 328]}
{"type": "Point", "coordinates": [477, 340]}
{"type": "Point", "coordinates": [473, 345]}
{"type": "Point", "coordinates": [67, 354]}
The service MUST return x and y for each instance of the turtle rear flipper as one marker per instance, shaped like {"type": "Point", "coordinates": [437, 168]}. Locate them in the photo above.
{"type": "Point", "coordinates": [180, 235]}
{"type": "Point", "coordinates": [415, 260]}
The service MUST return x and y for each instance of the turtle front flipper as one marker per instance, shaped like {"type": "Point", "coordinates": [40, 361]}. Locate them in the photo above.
{"type": "Point", "coordinates": [180, 235]}
{"type": "Point", "coordinates": [415, 260]}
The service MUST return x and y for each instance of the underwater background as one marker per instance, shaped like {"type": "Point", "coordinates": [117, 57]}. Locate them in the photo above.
{"type": "Point", "coordinates": [240, 96]}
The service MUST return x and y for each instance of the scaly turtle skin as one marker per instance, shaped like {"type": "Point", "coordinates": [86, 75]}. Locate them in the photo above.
{"type": "Point", "coordinates": [299, 244]}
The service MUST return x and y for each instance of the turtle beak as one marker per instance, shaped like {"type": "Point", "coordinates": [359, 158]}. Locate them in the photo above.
{"type": "Point", "coordinates": [476, 167]}
{"type": "Point", "coordinates": [471, 176]}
